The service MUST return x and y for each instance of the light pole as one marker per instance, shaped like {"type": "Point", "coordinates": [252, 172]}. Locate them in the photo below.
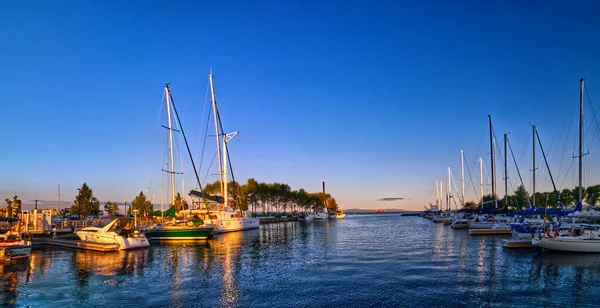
{"type": "Point", "coordinates": [135, 217]}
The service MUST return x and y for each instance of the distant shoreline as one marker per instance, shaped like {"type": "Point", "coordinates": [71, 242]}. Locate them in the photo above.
{"type": "Point", "coordinates": [377, 211]}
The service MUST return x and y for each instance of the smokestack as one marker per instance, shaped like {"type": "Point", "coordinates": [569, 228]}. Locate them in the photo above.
{"type": "Point", "coordinates": [323, 187]}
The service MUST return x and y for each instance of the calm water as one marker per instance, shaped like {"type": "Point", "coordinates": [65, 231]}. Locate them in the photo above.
{"type": "Point", "coordinates": [371, 260]}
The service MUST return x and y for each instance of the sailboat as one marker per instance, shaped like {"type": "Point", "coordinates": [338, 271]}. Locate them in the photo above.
{"type": "Point", "coordinates": [578, 238]}
{"type": "Point", "coordinates": [215, 210]}
{"type": "Point", "coordinates": [192, 230]}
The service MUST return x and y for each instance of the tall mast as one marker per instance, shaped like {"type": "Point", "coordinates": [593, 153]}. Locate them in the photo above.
{"type": "Point", "coordinates": [437, 194]}
{"type": "Point", "coordinates": [59, 197]}
{"type": "Point", "coordinates": [429, 196]}
{"type": "Point", "coordinates": [495, 175]}
{"type": "Point", "coordinates": [462, 176]}
{"type": "Point", "coordinates": [172, 171]}
{"type": "Point", "coordinates": [581, 85]}
{"type": "Point", "coordinates": [442, 192]}
{"type": "Point", "coordinates": [493, 162]}
{"type": "Point", "coordinates": [449, 189]}
{"type": "Point", "coordinates": [534, 168]}
{"type": "Point", "coordinates": [225, 192]}
{"type": "Point", "coordinates": [505, 174]}
{"type": "Point", "coordinates": [481, 179]}
{"type": "Point", "coordinates": [217, 133]}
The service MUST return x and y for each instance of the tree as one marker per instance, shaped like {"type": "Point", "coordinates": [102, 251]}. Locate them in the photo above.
{"type": "Point", "coordinates": [521, 197]}
{"type": "Point", "coordinates": [8, 207]}
{"type": "Point", "coordinates": [332, 205]}
{"type": "Point", "coordinates": [470, 203]}
{"type": "Point", "coordinates": [251, 192]}
{"type": "Point", "coordinates": [13, 208]}
{"type": "Point", "coordinates": [111, 208]}
{"type": "Point", "coordinates": [180, 203]}
{"type": "Point", "coordinates": [567, 196]}
{"type": "Point", "coordinates": [591, 194]}
{"type": "Point", "coordinates": [142, 204]}
{"type": "Point", "coordinates": [85, 203]}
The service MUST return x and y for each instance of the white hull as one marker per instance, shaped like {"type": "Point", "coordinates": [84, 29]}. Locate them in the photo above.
{"type": "Point", "coordinates": [113, 238]}
{"type": "Point", "coordinates": [106, 236]}
{"type": "Point", "coordinates": [480, 225]}
{"type": "Point", "coordinates": [235, 224]}
{"type": "Point", "coordinates": [17, 252]}
{"type": "Point", "coordinates": [321, 216]}
{"type": "Point", "coordinates": [308, 217]}
{"type": "Point", "coordinates": [568, 243]}
{"type": "Point", "coordinates": [443, 219]}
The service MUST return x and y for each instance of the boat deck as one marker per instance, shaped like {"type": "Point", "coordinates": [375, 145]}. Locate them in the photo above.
{"type": "Point", "coordinates": [77, 244]}
{"type": "Point", "coordinates": [516, 243]}
{"type": "Point", "coordinates": [490, 232]}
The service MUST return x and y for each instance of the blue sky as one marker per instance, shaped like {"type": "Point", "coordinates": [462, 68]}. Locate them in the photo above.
{"type": "Point", "coordinates": [376, 98]}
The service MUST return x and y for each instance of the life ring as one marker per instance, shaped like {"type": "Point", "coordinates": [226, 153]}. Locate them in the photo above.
{"type": "Point", "coordinates": [552, 233]}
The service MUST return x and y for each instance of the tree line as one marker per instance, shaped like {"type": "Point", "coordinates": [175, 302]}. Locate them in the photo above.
{"type": "Point", "coordinates": [259, 197]}
{"type": "Point", "coordinates": [521, 198]}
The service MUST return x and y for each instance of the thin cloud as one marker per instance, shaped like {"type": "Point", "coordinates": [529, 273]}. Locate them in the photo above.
{"type": "Point", "coordinates": [392, 199]}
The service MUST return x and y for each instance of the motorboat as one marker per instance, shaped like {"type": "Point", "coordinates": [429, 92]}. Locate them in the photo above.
{"type": "Point", "coordinates": [321, 215]}
{"type": "Point", "coordinates": [443, 217]}
{"type": "Point", "coordinates": [306, 216]}
{"type": "Point", "coordinates": [119, 231]}
{"type": "Point", "coordinates": [483, 222]}
{"type": "Point", "coordinates": [460, 222]}
{"type": "Point", "coordinates": [13, 246]}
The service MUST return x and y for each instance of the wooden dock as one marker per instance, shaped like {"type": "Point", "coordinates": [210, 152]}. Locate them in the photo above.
{"type": "Point", "coordinates": [517, 243]}
{"type": "Point", "coordinates": [268, 220]}
{"type": "Point", "coordinates": [490, 232]}
{"type": "Point", "coordinates": [77, 244]}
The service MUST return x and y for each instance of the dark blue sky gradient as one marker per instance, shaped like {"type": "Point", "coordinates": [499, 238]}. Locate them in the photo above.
{"type": "Point", "coordinates": [376, 98]}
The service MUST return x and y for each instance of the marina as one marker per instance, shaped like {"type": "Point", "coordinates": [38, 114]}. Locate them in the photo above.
{"type": "Point", "coordinates": [452, 269]}
{"type": "Point", "coordinates": [300, 154]}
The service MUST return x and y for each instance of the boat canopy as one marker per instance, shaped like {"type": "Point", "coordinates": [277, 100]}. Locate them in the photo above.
{"type": "Point", "coordinates": [198, 194]}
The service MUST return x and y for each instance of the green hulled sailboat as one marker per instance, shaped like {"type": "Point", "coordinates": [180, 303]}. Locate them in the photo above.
{"type": "Point", "coordinates": [183, 230]}
{"type": "Point", "coordinates": [175, 232]}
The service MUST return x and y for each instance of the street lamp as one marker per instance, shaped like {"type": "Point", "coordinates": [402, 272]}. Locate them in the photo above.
{"type": "Point", "coordinates": [135, 217]}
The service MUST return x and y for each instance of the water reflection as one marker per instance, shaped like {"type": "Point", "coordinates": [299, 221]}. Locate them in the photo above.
{"type": "Point", "coordinates": [229, 248]}
{"type": "Point", "coordinates": [368, 261]}
{"type": "Point", "coordinates": [124, 262]}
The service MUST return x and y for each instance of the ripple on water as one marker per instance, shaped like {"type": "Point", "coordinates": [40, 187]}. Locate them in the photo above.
{"type": "Point", "coordinates": [369, 260]}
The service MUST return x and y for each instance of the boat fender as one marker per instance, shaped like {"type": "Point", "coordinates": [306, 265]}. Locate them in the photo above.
{"type": "Point", "coordinates": [552, 233]}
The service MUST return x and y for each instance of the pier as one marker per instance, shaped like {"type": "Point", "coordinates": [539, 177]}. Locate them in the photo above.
{"type": "Point", "coordinates": [517, 243]}
{"type": "Point", "coordinates": [490, 232]}
{"type": "Point", "coordinates": [76, 244]}
{"type": "Point", "coordinates": [269, 220]}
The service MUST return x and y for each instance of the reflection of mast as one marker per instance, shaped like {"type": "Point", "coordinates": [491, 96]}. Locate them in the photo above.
{"type": "Point", "coordinates": [230, 243]}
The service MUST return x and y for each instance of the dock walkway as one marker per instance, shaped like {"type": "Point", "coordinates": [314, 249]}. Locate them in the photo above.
{"type": "Point", "coordinates": [77, 244]}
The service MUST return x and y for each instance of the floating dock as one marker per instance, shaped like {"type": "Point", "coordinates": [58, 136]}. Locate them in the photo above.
{"type": "Point", "coordinates": [77, 244]}
{"type": "Point", "coordinates": [490, 232]}
{"type": "Point", "coordinates": [517, 243]}
{"type": "Point", "coordinates": [268, 220]}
